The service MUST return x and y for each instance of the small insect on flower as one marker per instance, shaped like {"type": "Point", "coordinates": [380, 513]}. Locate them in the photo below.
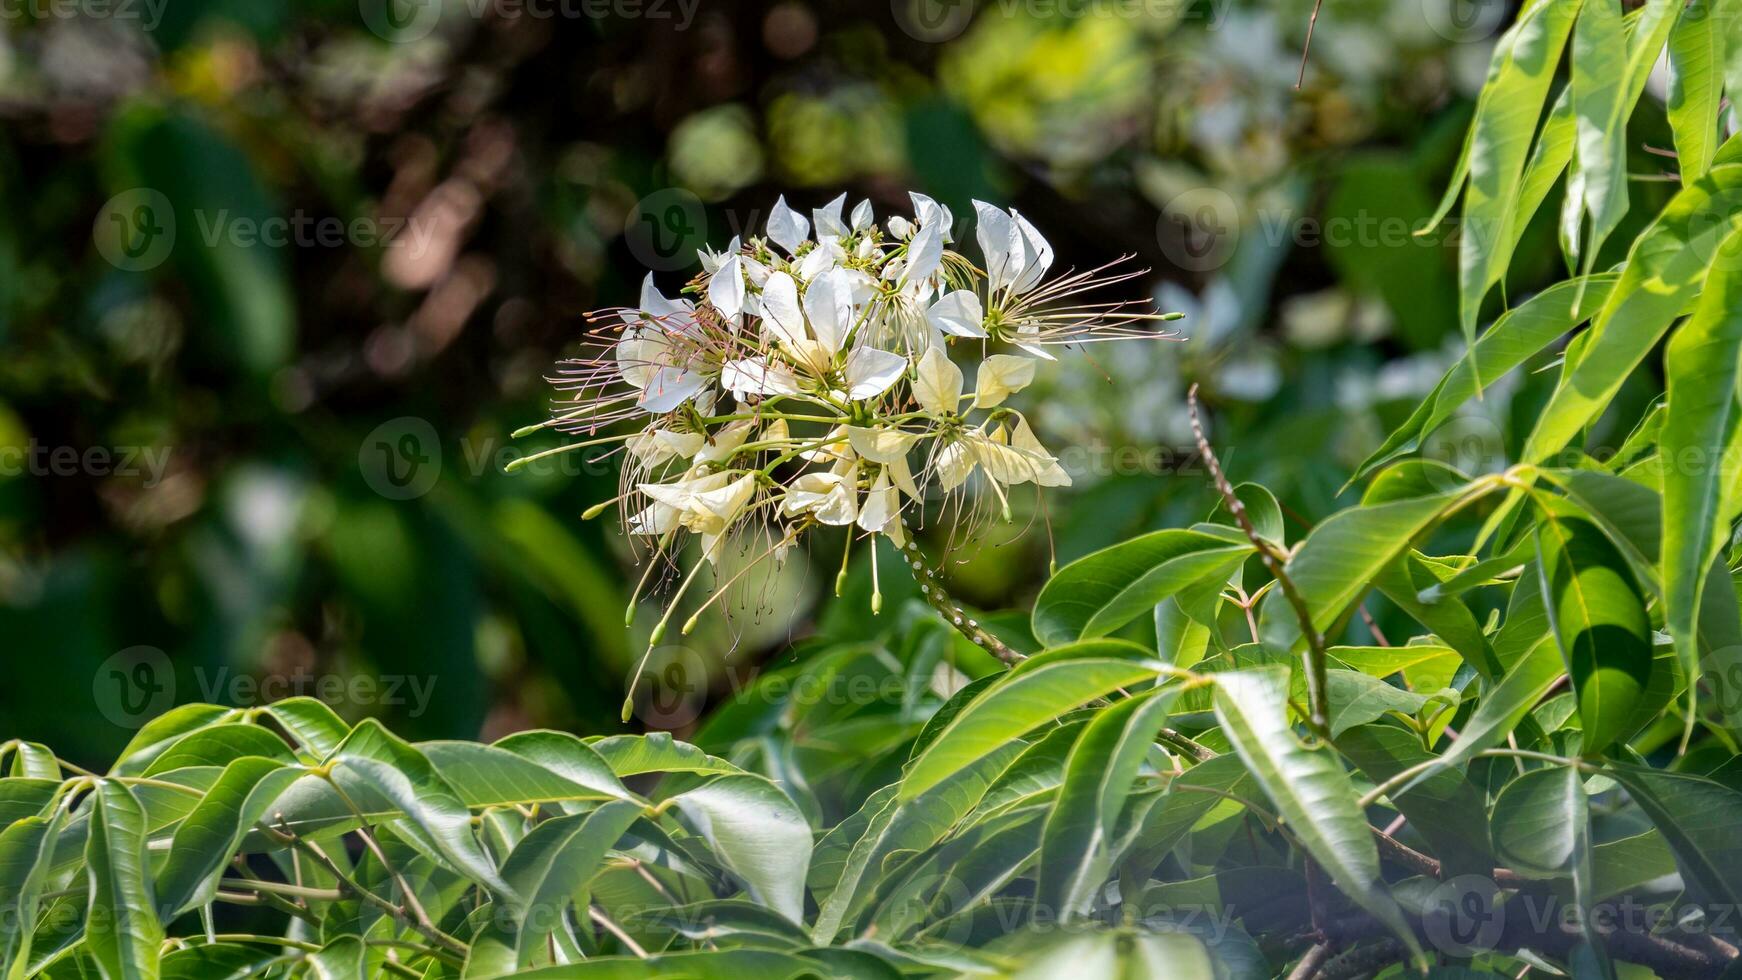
{"type": "Point", "coordinates": [805, 379]}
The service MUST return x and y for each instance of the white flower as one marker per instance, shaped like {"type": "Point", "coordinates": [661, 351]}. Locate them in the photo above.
{"type": "Point", "coordinates": [726, 287]}
{"type": "Point", "coordinates": [755, 376]}
{"type": "Point", "coordinates": [786, 227]}
{"type": "Point", "coordinates": [887, 448]}
{"type": "Point", "coordinates": [938, 386]}
{"type": "Point", "coordinates": [1016, 254]}
{"type": "Point", "coordinates": [1001, 376]}
{"type": "Point", "coordinates": [669, 387]}
{"type": "Point", "coordinates": [958, 313]}
{"type": "Point", "coordinates": [782, 317]}
{"type": "Point", "coordinates": [828, 219]}
{"type": "Point", "coordinates": [1051, 474]}
{"type": "Point", "coordinates": [827, 496]}
{"type": "Point", "coordinates": [881, 511]}
{"type": "Point", "coordinates": [725, 442]}
{"type": "Point", "coordinates": [863, 216]}
{"type": "Point", "coordinates": [930, 213]}
{"type": "Point", "coordinates": [954, 464]}
{"type": "Point", "coordinates": [871, 372]}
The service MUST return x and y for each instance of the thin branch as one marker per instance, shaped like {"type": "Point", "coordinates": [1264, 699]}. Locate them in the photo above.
{"type": "Point", "coordinates": [1274, 562]}
{"type": "Point", "coordinates": [932, 588]}
{"type": "Point", "coordinates": [1310, 963]}
{"type": "Point", "coordinates": [1307, 48]}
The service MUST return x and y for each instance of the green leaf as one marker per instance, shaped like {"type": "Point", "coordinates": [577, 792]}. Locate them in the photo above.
{"type": "Point", "coordinates": [1597, 184]}
{"type": "Point", "coordinates": [373, 763]}
{"type": "Point", "coordinates": [482, 775]}
{"type": "Point", "coordinates": [891, 825]}
{"type": "Point", "coordinates": [630, 755]}
{"type": "Point", "coordinates": [1045, 687]}
{"type": "Point", "coordinates": [1665, 271]}
{"type": "Point", "coordinates": [220, 745]}
{"type": "Point", "coordinates": [26, 853]}
{"type": "Point", "coordinates": [1697, 50]}
{"type": "Point", "coordinates": [310, 723]}
{"type": "Point", "coordinates": [1095, 595]}
{"type": "Point", "coordinates": [1701, 820]}
{"type": "Point", "coordinates": [341, 959]}
{"type": "Point", "coordinates": [553, 864]}
{"type": "Point", "coordinates": [209, 835]}
{"type": "Point", "coordinates": [1045, 955]}
{"type": "Point", "coordinates": [1444, 808]}
{"type": "Point", "coordinates": [159, 733]}
{"type": "Point", "coordinates": [1308, 787]}
{"type": "Point", "coordinates": [757, 833]}
{"type": "Point", "coordinates": [1340, 558]}
{"type": "Point", "coordinates": [1077, 844]}
{"type": "Point", "coordinates": [1190, 796]}
{"type": "Point", "coordinates": [231, 961]}
{"type": "Point", "coordinates": [1598, 619]}
{"type": "Point", "coordinates": [1507, 703]}
{"type": "Point", "coordinates": [1538, 818]}
{"type": "Point", "coordinates": [1519, 334]}
{"type": "Point", "coordinates": [1519, 75]}
{"type": "Point", "coordinates": [1703, 364]}
{"type": "Point", "coordinates": [1356, 699]}
{"type": "Point", "coordinates": [123, 935]}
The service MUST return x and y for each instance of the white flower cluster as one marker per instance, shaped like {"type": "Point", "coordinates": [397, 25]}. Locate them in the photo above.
{"type": "Point", "coordinates": [805, 377]}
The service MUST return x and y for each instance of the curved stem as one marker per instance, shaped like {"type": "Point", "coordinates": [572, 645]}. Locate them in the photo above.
{"type": "Point", "coordinates": [932, 588]}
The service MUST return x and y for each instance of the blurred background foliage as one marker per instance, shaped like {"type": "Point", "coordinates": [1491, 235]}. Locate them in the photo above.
{"type": "Point", "coordinates": [305, 435]}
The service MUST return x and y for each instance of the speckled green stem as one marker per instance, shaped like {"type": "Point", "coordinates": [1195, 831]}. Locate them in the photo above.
{"type": "Point", "coordinates": [932, 588]}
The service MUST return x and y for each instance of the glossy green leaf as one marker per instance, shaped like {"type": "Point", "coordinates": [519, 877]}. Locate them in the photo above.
{"type": "Point", "coordinates": [1095, 595]}
{"type": "Point", "coordinates": [759, 835]}
{"type": "Point", "coordinates": [209, 835]}
{"type": "Point", "coordinates": [1308, 787]}
{"type": "Point", "coordinates": [1698, 47]}
{"type": "Point", "coordinates": [553, 864]}
{"type": "Point", "coordinates": [1047, 687]}
{"type": "Point", "coordinates": [1077, 844]}
{"type": "Point", "coordinates": [1599, 623]}
{"type": "Point", "coordinates": [123, 934]}
{"type": "Point", "coordinates": [1702, 436]}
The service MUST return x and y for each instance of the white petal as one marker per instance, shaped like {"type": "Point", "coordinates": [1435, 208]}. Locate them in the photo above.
{"type": "Point", "coordinates": [924, 253]}
{"type": "Point", "coordinates": [828, 302]}
{"type": "Point", "coordinates": [929, 212]}
{"type": "Point", "coordinates": [828, 218]}
{"type": "Point", "coordinates": [993, 230]}
{"type": "Point", "coordinates": [668, 388]}
{"type": "Point", "coordinates": [781, 315]}
{"type": "Point", "coordinates": [1049, 475]}
{"type": "Point", "coordinates": [881, 504]}
{"type": "Point", "coordinates": [871, 372]}
{"type": "Point", "coordinates": [726, 287]}
{"type": "Point", "coordinates": [786, 227]}
{"type": "Point", "coordinates": [883, 446]}
{"type": "Point", "coordinates": [954, 463]}
{"type": "Point", "coordinates": [753, 376]}
{"type": "Point", "coordinates": [938, 387]}
{"type": "Point", "coordinates": [1001, 376]}
{"type": "Point", "coordinates": [958, 314]}
{"type": "Point", "coordinates": [1037, 256]}
{"type": "Point", "coordinates": [863, 215]}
